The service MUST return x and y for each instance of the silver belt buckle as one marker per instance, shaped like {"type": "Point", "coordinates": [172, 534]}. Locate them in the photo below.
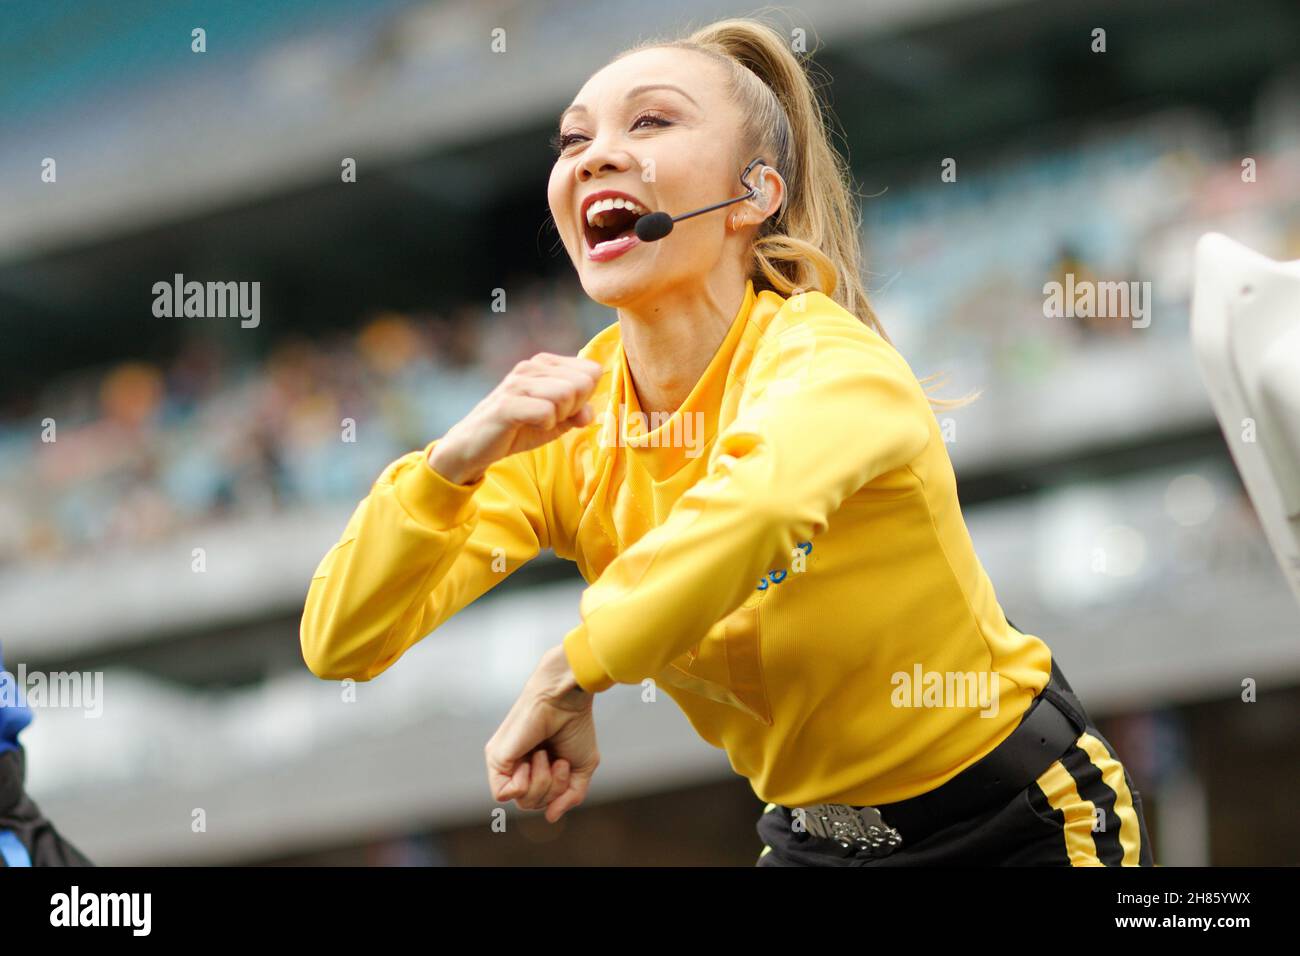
{"type": "Point", "coordinates": [862, 829]}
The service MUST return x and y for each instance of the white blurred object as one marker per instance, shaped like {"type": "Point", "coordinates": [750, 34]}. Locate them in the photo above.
{"type": "Point", "coordinates": [1246, 334]}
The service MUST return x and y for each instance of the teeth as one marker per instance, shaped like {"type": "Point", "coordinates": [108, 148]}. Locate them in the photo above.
{"type": "Point", "coordinates": [596, 211]}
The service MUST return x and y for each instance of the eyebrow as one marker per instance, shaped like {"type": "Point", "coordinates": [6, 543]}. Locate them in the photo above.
{"type": "Point", "coordinates": [634, 92]}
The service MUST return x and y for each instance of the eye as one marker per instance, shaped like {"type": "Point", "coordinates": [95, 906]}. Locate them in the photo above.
{"type": "Point", "coordinates": [560, 143]}
{"type": "Point", "coordinates": [654, 117]}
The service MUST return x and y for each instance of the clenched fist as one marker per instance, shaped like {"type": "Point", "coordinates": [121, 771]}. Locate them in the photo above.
{"type": "Point", "coordinates": [541, 399]}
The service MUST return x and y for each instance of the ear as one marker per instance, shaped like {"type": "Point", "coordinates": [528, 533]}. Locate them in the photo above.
{"type": "Point", "coordinates": [770, 195]}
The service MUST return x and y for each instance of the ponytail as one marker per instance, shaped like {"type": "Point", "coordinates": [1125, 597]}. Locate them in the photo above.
{"type": "Point", "coordinates": [813, 241]}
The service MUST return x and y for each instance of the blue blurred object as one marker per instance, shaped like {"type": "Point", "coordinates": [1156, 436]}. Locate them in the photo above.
{"type": "Point", "coordinates": [12, 850]}
{"type": "Point", "coordinates": [13, 715]}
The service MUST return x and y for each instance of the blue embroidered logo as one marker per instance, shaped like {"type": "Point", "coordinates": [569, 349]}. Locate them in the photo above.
{"type": "Point", "coordinates": [776, 577]}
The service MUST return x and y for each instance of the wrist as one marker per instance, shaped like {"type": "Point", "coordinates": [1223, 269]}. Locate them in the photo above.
{"type": "Point", "coordinates": [558, 682]}
{"type": "Point", "coordinates": [445, 461]}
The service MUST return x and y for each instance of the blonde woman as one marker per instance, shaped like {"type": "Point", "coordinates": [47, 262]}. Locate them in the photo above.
{"type": "Point", "coordinates": [754, 485]}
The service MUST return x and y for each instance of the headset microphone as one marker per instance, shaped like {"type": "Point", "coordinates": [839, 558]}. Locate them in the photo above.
{"type": "Point", "coordinates": [655, 225]}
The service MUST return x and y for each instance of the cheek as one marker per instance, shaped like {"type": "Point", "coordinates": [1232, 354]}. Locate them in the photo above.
{"type": "Point", "coordinates": [684, 183]}
{"type": "Point", "coordinates": [560, 200]}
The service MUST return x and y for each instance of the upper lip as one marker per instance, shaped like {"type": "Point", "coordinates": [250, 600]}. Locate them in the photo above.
{"type": "Point", "coordinates": [606, 194]}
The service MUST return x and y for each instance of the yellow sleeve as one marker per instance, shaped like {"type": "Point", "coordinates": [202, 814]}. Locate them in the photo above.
{"type": "Point", "coordinates": [416, 550]}
{"type": "Point", "coordinates": [828, 406]}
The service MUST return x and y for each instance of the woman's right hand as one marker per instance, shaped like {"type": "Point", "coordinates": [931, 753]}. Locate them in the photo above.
{"type": "Point", "coordinates": [541, 399]}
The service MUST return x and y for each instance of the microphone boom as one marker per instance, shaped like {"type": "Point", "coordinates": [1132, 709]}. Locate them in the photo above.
{"type": "Point", "coordinates": [655, 225]}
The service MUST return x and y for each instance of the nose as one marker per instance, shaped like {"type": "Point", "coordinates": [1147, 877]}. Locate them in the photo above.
{"type": "Point", "coordinates": [600, 158]}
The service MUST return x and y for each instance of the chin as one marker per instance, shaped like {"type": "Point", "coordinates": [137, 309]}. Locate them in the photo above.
{"type": "Point", "coordinates": [615, 287]}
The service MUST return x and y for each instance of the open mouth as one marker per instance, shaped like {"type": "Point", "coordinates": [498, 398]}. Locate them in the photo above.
{"type": "Point", "coordinates": [609, 219]}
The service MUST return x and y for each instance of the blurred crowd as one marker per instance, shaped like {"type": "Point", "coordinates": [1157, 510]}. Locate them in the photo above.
{"type": "Point", "coordinates": [132, 453]}
{"type": "Point", "coordinates": [960, 272]}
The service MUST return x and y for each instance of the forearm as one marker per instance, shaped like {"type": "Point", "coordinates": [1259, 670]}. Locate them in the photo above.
{"type": "Point", "coordinates": [684, 576]}
{"type": "Point", "coordinates": [368, 593]}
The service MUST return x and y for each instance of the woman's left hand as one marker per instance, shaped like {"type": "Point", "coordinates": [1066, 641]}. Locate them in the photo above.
{"type": "Point", "coordinates": [544, 753]}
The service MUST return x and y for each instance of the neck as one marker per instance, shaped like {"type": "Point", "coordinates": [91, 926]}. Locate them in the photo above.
{"type": "Point", "coordinates": [670, 340]}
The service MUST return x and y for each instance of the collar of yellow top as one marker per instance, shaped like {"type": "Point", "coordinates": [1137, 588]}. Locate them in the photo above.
{"type": "Point", "coordinates": [664, 449]}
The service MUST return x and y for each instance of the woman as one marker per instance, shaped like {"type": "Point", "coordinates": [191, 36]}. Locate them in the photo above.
{"type": "Point", "coordinates": [754, 484]}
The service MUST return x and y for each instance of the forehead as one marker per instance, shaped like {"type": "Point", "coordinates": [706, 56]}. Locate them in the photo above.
{"type": "Point", "coordinates": [694, 72]}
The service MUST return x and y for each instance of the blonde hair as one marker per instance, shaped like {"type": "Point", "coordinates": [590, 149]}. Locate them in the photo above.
{"type": "Point", "coordinates": [812, 241]}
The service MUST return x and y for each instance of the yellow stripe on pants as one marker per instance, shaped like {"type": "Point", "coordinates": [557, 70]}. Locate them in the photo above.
{"type": "Point", "coordinates": [1062, 794]}
{"type": "Point", "coordinates": [1112, 773]}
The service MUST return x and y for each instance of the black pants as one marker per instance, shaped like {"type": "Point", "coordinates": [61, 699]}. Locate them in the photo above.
{"type": "Point", "coordinates": [24, 831]}
{"type": "Point", "coordinates": [1082, 810]}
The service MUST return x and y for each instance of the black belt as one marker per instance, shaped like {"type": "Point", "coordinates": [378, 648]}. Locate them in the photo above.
{"type": "Point", "coordinates": [1052, 724]}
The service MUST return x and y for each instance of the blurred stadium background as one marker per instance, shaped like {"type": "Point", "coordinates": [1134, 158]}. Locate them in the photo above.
{"type": "Point", "coordinates": [1094, 478]}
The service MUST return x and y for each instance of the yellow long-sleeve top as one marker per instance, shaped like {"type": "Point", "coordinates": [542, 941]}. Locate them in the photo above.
{"type": "Point", "coordinates": [785, 573]}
